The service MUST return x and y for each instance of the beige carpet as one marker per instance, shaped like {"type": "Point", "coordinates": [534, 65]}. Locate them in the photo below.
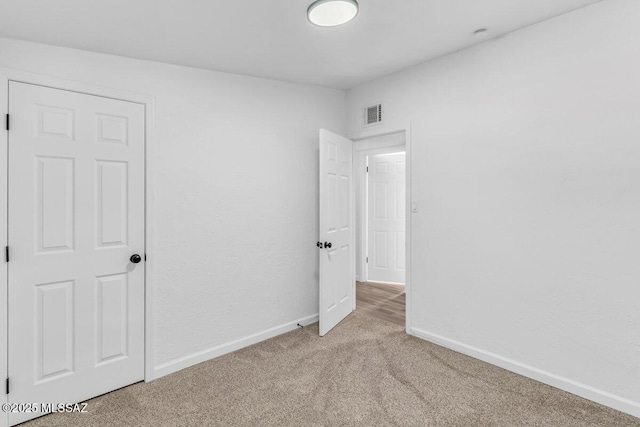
{"type": "Point", "coordinates": [365, 372]}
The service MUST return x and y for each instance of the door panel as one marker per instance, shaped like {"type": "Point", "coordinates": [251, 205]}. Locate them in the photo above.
{"type": "Point", "coordinates": [54, 336]}
{"type": "Point", "coordinates": [111, 327]}
{"type": "Point", "coordinates": [337, 267]}
{"type": "Point", "coordinates": [112, 185]}
{"type": "Point", "coordinates": [76, 215]}
{"type": "Point", "coordinates": [55, 191]}
{"type": "Point", "coordinates": [386, 218]}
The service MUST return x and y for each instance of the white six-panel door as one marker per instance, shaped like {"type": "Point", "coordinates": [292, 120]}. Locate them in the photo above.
{"type": "Point", "coordinates": [337, 265]}
{"type": "Point", "coordinates": [76, 216]}
{"type": "Point", "coordinates": [386, 218]}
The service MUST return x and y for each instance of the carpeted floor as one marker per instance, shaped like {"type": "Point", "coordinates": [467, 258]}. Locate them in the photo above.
{"type": "Point", "coordinates": [365, 372]}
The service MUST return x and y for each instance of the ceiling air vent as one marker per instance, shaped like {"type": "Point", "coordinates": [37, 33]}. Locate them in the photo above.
{"type": "Point", "coordinates": [373, 115]}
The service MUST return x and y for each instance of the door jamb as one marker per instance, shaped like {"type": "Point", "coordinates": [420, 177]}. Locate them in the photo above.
{"type": "Point", "coordinates": [407, 148]}
{"type": "Point", "coordinates": [7, 75]}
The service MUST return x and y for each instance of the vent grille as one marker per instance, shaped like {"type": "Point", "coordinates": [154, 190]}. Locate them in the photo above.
{"type": "Point", "coordinates": [373, 115]}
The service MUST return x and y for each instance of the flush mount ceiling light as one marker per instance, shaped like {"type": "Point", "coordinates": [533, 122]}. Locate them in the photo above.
{"type": "Point", "coordinates": [331, 13]}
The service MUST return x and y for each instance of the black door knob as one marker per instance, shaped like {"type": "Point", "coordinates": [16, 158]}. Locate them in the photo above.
{"type": "Point", "coordinates": [319, 244]}
{"type": "Point", "coordinates": [327, 245]}
{"type": "Point", "coordinates": [135, 258]}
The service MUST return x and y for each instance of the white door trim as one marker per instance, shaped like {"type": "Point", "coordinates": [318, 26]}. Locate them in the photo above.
{"type": "Point", "coordinates": [7, 75]}
{"type": "Point", "coordinates": [358, 164]}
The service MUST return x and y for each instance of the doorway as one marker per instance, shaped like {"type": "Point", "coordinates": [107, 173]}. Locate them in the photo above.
{"type": "Point", "coordinates": [76, 245]}
{"type": "Point", "coordinates": [381, 217]}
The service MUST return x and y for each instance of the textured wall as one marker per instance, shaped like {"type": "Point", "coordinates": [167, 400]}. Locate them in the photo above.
{"type": "Point", "coordinates": [526, 165]}
{"type": "Point", "coordinates": [236, 192]}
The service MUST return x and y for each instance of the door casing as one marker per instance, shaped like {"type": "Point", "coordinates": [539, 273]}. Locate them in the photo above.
{"type": "Point", "coordinates": [7, 75]}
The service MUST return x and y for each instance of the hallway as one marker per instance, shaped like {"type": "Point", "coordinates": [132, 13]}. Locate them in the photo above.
{"type": "Point", "coordinates": [382, 301]}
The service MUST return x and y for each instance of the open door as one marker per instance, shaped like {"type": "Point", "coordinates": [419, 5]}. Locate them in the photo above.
{"type": "Point", "coordinates": [337, 264]}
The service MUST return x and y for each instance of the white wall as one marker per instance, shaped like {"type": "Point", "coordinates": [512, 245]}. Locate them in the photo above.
{"type": "Point", "coordinates": [236, 194]}
{"type": "Point", "coordinates": [526, 165]}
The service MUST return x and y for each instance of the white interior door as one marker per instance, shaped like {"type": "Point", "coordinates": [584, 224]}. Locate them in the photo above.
{"type": "Point", "coordinates": [337, 264]}
{"type": "Point", "coordinates": [386, 218]}
{"type": "Point", "coordinates": [76, 216]}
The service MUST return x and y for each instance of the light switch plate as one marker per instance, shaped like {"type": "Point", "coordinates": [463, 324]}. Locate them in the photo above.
{"type": "Point", "coordinates": [414, 206]}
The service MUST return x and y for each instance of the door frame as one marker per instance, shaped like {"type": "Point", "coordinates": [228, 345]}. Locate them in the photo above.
{"type": "Point", "coordinates": [9, 75]}
{"type": "Point", "coordinates": [359, 171]}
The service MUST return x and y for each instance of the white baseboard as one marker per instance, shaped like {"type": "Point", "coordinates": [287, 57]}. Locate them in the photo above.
{"type": "Point", "coordinates": [213, 352]}
{"type": "Point", "coordinates": [616, 402]}
{"type": "Point", "coordinates": [386, 283]}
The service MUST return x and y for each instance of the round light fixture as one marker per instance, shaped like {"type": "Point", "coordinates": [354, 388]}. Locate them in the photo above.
{"type": "Point", "coordinates": [331, 13]}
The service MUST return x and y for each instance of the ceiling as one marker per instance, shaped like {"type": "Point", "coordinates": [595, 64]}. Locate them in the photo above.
{"type": "Point", "coordinates": [272, 38]}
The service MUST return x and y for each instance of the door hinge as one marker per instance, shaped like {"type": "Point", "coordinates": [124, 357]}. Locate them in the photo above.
{"type": "Point", "coordinates": [7, 122]}
{"type": "Point", "coordinates": [7, 386]}
{"type": "Point", "coordinates": [6, 253]}
{"type": "Point", "coordinates": [367, 259]}
{"type": "Point", "coordinates": [367, 166]}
